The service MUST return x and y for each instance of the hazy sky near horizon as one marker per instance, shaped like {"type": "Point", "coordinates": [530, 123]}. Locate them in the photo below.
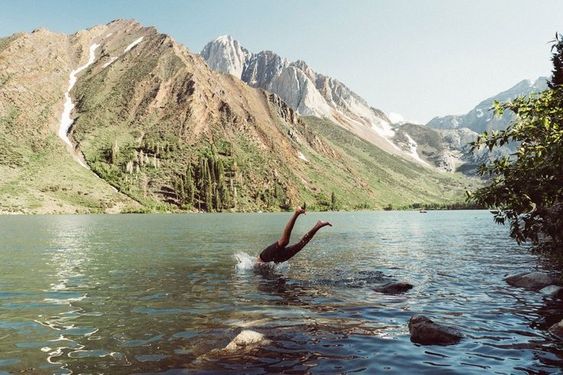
{"type": "Point", "coordinates": [417, 58]}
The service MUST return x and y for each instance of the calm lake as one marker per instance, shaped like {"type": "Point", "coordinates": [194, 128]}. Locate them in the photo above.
{"type": "Point", "coordinates": [166, 293]}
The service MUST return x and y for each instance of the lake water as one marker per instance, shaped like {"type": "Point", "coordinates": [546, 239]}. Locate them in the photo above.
{"type": "Point", "coordinates": [166, 293]}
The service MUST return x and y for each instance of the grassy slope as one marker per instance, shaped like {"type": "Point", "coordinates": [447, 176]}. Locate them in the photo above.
{"type": "Point", "coordinates": [37, 173]}
{"type": "Point", "coordinates": [46, 179]}
{"type": "Point", "coordinates": [376, 179]}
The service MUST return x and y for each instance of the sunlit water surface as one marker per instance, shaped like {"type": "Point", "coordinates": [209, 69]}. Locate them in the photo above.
{"type": "Point", "coordinates": [165, 293]}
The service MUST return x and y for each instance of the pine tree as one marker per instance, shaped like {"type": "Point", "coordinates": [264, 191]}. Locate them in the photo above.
{"type": "Point", "coordinates": [114, 152]}
{"type": "Point", "coordinates": [189, 184]}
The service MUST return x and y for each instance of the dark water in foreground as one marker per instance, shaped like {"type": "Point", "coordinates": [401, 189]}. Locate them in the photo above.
{"type": "Point", "coordinates": [163, 293]}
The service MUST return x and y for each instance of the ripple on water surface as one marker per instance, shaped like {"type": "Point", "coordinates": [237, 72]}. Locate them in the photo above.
{"type": "Point", "coordinates": [152, 293]}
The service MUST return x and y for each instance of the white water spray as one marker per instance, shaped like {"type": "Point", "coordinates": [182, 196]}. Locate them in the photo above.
{"type": "Point", "coordinates": [247, 262]}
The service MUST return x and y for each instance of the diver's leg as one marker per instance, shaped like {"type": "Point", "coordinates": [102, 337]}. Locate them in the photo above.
{"type": "Point", "coordinates": [290, 251]}
{"type": "Point", "coordinates": [284, 239]}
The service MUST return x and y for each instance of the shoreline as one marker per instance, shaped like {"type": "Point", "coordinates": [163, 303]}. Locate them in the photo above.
{"type": "Point", "coordinates": [156, 212]}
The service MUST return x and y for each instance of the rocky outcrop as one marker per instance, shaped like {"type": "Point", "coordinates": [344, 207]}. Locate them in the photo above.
{"type": "Point", "coordinates": [394, 288]}
{"type": "Point", "coordinates": [531, 280]}
{"type": "Point", "coordinates": [283, 110]}
{"type": "Point", "coordinates": [424, 331]}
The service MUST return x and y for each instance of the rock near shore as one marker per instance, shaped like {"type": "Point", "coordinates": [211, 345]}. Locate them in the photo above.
{"type": "Point", "coordinates": [531, 280]}
{"type": "Point", "coordinates": [553, 291]}
{"type": "Point", "coordinates": [557, 330]}
{"type": "Point", "coordinates": [424, 331]}
{"type": "Point", "coordinates": [394, 288]}
{"type": "Point", "coordinates": [247, 339]}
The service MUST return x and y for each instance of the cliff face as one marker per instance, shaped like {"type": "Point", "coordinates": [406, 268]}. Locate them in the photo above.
{"type": "Point", "coordinates": [158, 129]}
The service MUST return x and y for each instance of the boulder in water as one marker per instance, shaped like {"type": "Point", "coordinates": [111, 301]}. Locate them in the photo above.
{"type": "Point", "coordinates": [531, 280]}
{"type": "Point", "coordinates": [394, 288]}
{"type": "Point", "coordinates": [425, 331]}
{"type": "Point", "coordinates": [554, 291]}
{"type": "Point", "coordinates": [247, 339]}
{"type": "Point", "coordinates": [557, 330]}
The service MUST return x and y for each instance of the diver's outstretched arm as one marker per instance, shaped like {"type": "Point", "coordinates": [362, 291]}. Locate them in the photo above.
{"type": "Point", "coordinates": [284, 239]}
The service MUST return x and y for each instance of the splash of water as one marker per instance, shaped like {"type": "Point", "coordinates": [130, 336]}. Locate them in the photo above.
{"type": "Point", "coordinates": [247, 262]}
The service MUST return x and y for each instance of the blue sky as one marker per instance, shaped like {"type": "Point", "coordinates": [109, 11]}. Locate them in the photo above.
{"type": "Point", "coordinates": [417, 58]}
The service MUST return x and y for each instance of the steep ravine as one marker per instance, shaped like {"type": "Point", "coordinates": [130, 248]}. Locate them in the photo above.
{"type": "Point", "coordinates": [66, 119]}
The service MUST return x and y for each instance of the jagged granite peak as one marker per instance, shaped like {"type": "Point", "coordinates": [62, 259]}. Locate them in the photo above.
{"type": "Point", "coordinates": [226, 55]}
{"type": "Point", "coordinates": [262, 68]}
{"type": "Point", "coordinates": [481, 117]}
{"type": "Point", "coordinates": [306, 91]}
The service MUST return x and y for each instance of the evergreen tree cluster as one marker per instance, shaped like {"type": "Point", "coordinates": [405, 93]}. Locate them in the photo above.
{"type": "Point", "coordinates": [206, 185]}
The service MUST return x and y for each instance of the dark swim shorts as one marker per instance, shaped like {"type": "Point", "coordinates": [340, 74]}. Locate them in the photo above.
{"type": "Point", "coordinates": [272, 253]}
{"type": "Point", "coordinates": [279, 254]}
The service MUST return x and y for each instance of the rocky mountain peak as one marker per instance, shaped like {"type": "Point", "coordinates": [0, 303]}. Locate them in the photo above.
{"type": "Point", "coordinates": [306, 91]}
{"type": "Point", "coordinates": [226, 55]}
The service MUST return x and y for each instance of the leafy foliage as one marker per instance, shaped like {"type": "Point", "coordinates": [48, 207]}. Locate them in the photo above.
{"type": "Point", "coordinates": [526, 188]}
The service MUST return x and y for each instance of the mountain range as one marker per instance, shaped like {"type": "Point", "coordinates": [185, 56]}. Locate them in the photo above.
{"type": "Point", "coordinates": [481, 118]}
{"type": "Point", "coordinates": [122, 118]}
{"type": "Point", "coordinates": [308, 92]}
{"type": "Point", "coordinates": [444, 141]}
{"type": "Point", "coordinates": [441, 143]}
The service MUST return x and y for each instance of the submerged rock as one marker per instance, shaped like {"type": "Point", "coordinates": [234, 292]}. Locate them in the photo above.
{"type": "Point", "coordinates": [531, 280]}
{"type": "Point", "coordinates": [247, 339]}
{"type": "Point", "coordinates": [425, 331]}
{"type": "Point", "coordinates": [557, 330]}
{"type": "Point", "coordinates": [394, 288]}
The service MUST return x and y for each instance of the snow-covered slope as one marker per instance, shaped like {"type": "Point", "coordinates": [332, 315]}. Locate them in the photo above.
{"type": "Point", "coordinates": [308, 92]}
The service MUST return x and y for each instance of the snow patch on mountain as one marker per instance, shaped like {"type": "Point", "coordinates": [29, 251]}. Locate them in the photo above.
{"type": "Point", "coordinates": [111, 60]}
{"type": "Point", "coordinates": [66, 119]}
{"type": "Point", "coordinates": [135, 42]}
{"type": "Point", "coordinates": [412, 149]}
{"type": "Point", "coordinates": [302, 157]}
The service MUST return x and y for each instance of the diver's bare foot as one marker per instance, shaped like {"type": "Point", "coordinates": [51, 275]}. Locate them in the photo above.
{"type": "Point", "coordinates": [321, 224]}
{"type": "Point", "coordinates": [299, 210]}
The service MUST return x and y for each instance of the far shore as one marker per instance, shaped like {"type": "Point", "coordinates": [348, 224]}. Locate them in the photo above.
{"type": "Point", "coordinates": [156, 212]}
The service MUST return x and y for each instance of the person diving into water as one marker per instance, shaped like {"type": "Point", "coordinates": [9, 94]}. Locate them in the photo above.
{"type": "Point", "coordinates": [279, 252]}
